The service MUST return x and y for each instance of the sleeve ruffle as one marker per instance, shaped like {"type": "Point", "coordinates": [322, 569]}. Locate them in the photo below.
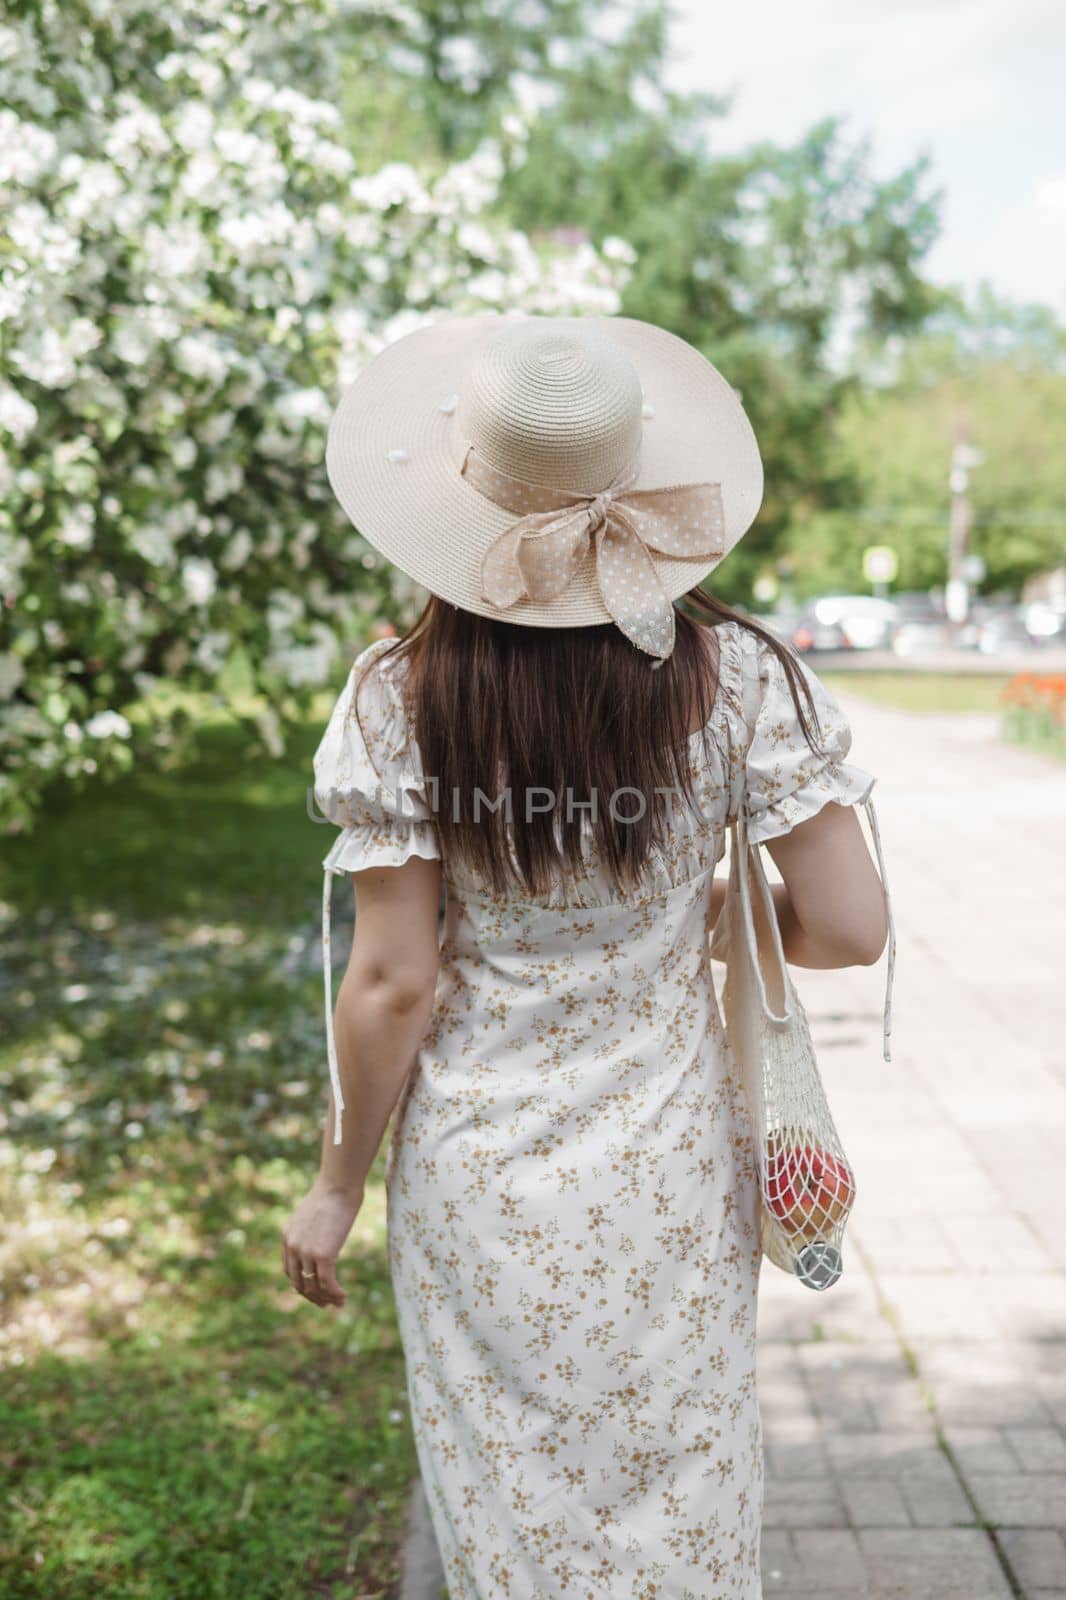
{"type": "Point", "coordinates": [787, 782]}
{"type": "Point", "coordinates": [367, 776]}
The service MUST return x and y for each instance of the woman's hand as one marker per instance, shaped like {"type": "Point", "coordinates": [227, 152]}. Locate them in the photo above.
{"type": "Point", "coordinates": [312, 1238]}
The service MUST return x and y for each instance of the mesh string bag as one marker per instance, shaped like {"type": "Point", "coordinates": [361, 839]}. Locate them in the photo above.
{"type": "Point", "coordinates": [806, 1181]}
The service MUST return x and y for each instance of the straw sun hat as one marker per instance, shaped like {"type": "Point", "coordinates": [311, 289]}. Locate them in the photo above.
{"type": "Point", "coordinates": [549, 471]}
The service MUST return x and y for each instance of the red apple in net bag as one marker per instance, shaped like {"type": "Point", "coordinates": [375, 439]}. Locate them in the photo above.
{"type": "Point", "coordinates": [808, 1189]}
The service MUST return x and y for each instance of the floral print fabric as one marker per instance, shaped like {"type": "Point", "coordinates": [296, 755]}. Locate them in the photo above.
{"type": "Point", "coordinates": [571, 1190]}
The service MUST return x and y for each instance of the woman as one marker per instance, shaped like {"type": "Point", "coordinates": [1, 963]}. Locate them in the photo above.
{"type": "Point", "coordinates": [561, 742]}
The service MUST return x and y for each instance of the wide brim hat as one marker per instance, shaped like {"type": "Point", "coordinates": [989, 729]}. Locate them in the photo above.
{"type": "Point", "coordinates": [560, 402]}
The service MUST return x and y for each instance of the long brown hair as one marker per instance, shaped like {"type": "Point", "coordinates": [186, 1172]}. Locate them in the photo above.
{"type": "Point", "coordinates": [573, 711]}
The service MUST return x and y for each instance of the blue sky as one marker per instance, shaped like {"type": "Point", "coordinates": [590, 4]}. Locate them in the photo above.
{"type": "Point", "coordinates": [978, 84]}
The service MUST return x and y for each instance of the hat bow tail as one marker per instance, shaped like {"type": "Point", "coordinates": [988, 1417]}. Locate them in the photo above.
{"type": "Point", "coordinates": [537, 556]}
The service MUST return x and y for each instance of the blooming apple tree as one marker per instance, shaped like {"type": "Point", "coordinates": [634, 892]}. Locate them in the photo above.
{"type": "Point", "coordinates": [191, 267]}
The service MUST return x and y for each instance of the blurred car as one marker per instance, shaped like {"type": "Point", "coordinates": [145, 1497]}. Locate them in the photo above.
{"type": "Point", "coordinates": [1045, 620]}
{"type": "Point", "coordinates": [918, 605]}
{"type": "Point", "coordinates": [921, 624]}
{"type": "Point", "coordinates": [808, 632]}
{"type": "Point", "coordinates": [910, 638]}
{"type": "Point", "coordinates": [994, 626]}
{"type": "Point", "coordinates": [865, 620]}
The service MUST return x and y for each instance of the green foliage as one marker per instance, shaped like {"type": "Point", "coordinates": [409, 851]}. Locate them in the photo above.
{"type": "Point", "coordinates": [750, 259]}
{"type": "Point", "coordinates": [921, 689]}
{"type": "Point", "coordinates": [427, 81]}
{"type": "Point", "coordinates": [996, 376]}
{"type": "Point", "coordinates": [1034, 711]}
{"type": "Point", "coordinates": [755, 259]}
{"type": "Point", "coordinates": [766, 261]}
{"type": "Point", "coordinates": [191, 265]}
{"type": "Point", "coordinates": [176, 1423]}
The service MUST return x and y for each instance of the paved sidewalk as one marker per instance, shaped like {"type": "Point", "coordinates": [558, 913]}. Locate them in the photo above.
{"type": "Point", "coordinates": [915, 1414]}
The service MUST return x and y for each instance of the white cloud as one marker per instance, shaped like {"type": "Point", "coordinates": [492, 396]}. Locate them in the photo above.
{"type": "Point", "coordinates": [1025, 254]}
{"type": "Point", "coordinates": [976, 84]}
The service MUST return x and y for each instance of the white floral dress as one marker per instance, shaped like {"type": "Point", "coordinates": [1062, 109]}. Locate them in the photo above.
{"type": "Point", "coordinates": [571, 1195]}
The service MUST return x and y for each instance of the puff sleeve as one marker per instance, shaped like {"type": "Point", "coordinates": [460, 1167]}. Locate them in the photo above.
{"type": "Point", "coordinates": [368, 781]}
{"type": "Point", "coordinates": [368, 777]}
{"type": "Point", "coordinates": [784, 781]}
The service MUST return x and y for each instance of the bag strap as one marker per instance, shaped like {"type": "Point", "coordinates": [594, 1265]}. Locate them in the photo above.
{"type": "Point", "coordinates": [749, 861]}
{"type": "Point", "coordinates": [750, 696]}
{"type": "Point", "coordinates": [750, 864]}
{"type": "Point", "coordinates": [327, 983]}
{"type": "Point", "coordinates": [871, 814]}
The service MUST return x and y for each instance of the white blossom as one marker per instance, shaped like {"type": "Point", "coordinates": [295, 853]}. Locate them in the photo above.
{"type": "Point", "coordinates": [108, 724]}
{"type": "Point", "coordinates": [76, 529]}
{"type": "Point", "coordinates": [395, 184]}
{"type": "Point", "coordinates": [192, 269]}
{"type": "Point", "coordinates": [12, 672]}
{"type": "Point", "coordinates": [199, 579]}
{"type": "Point", "coordinates": [237, 550]}
{"type": "Point", "coordinates": [223, 478]}
{"type": "Point", "coordinates": [200, 358]}
{"type": "Point", "coordinates": [18, 416]}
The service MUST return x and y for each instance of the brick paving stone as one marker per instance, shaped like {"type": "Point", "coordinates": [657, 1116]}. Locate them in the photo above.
{"type": "Point", "coordinates": [995, 1242]}
{"type": "Point", "coordinates": [796, 1425]}
{"type": "Point", "coordinates": [785, 1574]}
{"type": "Point", "coordinates": [777, 1557]}
{"type": "Point", "coordinates": [948, 1306]}
{"type": "Point", "coordinates": [1031, 1307]}
{"type": "Point", "coordinates": [932, 1564]}
{"type": "Point", "coordinates": [788, 1459]}
{"type": "Point", "coordinates": [983, 1384]}
{"type": "Point", "coordinates": [1037, 1555]}
{"type": "Point", "coordinates": [1046, 1371]}
{"type": "Point", "coordinates": [829, 1558]}
{"type": "Point", "coordinates": [803, 1503]}
{"type": "Point", "coordinates": [846, 1312]}
{"type": "Point", "coordinates": [885, 1455]}
{"type": "Point", "coordinates": [1044, 1226]}
{"type": "Point", "coordinates": [1022, 1500]}
{"type": "Point", "coordinates": [981, 1449]}
{"type": "Point", "coordinates": [936, 1501]}
{"type": "Point", "coordinates": [1038, 1449]}
{"type": "Point", "coordinates": [904, 1244]}
{"type": "Point", "coordinates": [862, 1389]}
{"type": "Point", "coordinates": [900, 1409]}
{"type": "Point", "coordinates": [874, 1502]}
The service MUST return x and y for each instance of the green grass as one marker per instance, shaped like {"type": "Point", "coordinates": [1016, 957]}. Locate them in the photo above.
{"type": "Point", "coordinates": [923, 691]}
{"type": "Point", "coordinates": [174, 1420]}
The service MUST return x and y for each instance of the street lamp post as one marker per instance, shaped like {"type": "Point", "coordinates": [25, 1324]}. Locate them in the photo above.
{"type": "Point", "coordinates": [957, 591]}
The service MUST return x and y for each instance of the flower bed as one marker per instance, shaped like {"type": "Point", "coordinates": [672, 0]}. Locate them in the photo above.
{"type": "Point", "coordinates": [1034, 711]}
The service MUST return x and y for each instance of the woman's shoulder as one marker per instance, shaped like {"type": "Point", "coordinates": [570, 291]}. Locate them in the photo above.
{"type": "Point", "coordinates": [726, 646]}
{"type": "Point", "coordinates": [372, 694]}
{"type": "Point", "coordinates": [368, 728]}
{"type": "Point", "coordinates": [752, 668]}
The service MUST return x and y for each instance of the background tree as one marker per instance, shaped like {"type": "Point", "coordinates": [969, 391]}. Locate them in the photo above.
{"type": "Point", "coordinates": [987, 370]}
{"type": "Point", "coordinates": [430, 80]}
{"type": "Point", "coordinates": [766, 261]}
{"type": "Point", "coordinates": [192, 263]}
{"type": "Point", "coordinates": [762, 261]}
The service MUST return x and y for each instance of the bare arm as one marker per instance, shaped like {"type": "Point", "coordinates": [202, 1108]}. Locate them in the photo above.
{"type": "Point", "coordinates": [831, 906]}
{"type": "Point", "coordinates": [383, 1007]}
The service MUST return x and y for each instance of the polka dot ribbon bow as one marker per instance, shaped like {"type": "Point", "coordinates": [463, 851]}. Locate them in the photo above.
{"type": "Point", "coordinates": [537, 556]}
